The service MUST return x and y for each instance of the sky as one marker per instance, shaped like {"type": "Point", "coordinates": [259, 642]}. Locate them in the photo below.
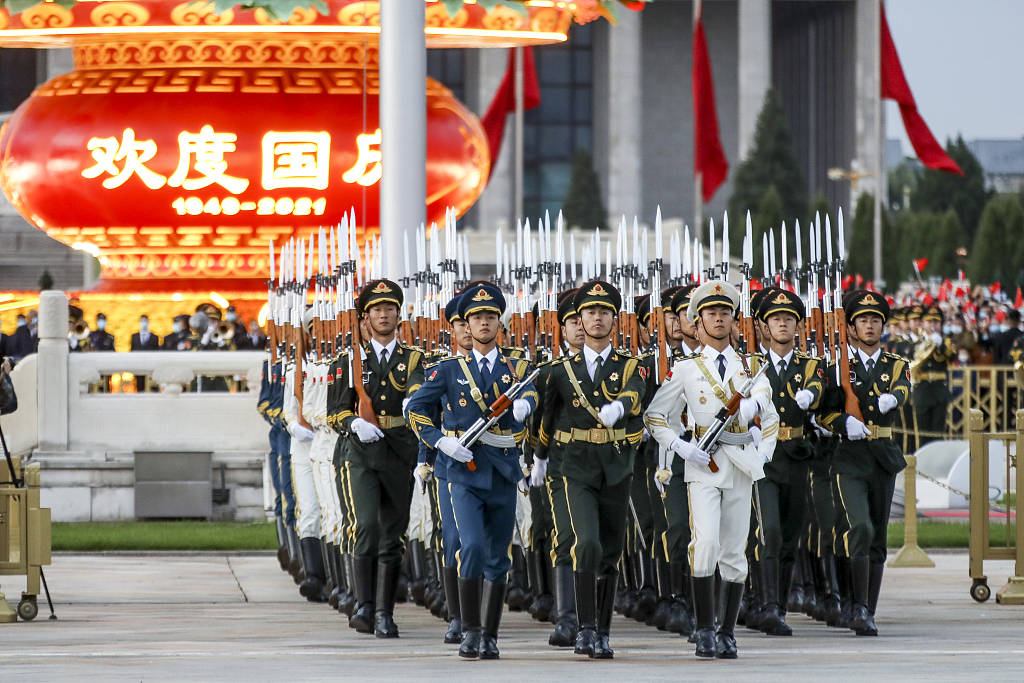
{"type": "Point", "coordinates": [963, 60]}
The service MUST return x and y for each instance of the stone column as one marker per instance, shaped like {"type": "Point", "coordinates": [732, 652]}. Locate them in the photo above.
{"type": "Point", "coordinates": [403, 123]}
{"type": "Point", "coordinates": [52, 371]}
{"type": "Point", "coordinates": [755, 70]}
{"type": "Point", "coordinates": [869, 151]}
{"type": "Point", "coordinates": [484, 70]}
{"type": "Point", "coordinates": [618, 103]}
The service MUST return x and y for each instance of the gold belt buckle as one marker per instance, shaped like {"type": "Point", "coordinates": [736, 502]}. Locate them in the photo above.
{"type": "Point", "coordinates": [597, 435]}
{"type": "Point", "coordinates": [783, 434]}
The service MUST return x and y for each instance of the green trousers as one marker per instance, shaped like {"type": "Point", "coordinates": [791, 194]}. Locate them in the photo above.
{"type": "Point", "coordinates": [562, 535]}
{"type": "Point", "coordinates": [865, 502]}
{"type": "Point", "coordinates": [598, 516]}
{"type": "Point", "coordinates": [379, 501]}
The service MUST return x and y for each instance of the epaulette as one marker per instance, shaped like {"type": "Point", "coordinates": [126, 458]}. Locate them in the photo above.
{"type": "Point", "coordinates": [691, 356]}
{"type": "Point", "coordinates": [892, 356]}
{"type": "Point", "coordinates": [412, 347]}
{"type": "Point", "coordinates": [756, 354]}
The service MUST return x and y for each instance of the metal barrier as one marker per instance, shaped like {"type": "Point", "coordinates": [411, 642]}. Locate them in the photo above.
{"type": "Point", "coordinates": [980, 438]}
{"type": "Point", "coordinates": [991, 389]}
{"type": "Point", "coordinates": [24, 538]}
{"type": "Point", "coordinates": [911, 554]}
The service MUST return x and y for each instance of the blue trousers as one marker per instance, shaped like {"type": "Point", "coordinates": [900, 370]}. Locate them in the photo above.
{"type": "Point", "coordinates": [450, 542]}
{"type": "Point", "coordinates": [485, 519]}
{"type": "Point", "coordinates": [285, 493]}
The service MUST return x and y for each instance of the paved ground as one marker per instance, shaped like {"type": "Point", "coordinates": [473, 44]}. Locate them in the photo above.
{"type": "Point", "coordinates": [228, 618]}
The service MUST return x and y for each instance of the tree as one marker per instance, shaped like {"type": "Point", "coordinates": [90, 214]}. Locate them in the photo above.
{"type": "Point", "coordinates": [860, 259]}
{"type": "Point", "coordinates": [944, 242]}
{"type": "Point", "coordinates": [771, 162]}
{"type": "Point", "coordinates": [583, 206]}
{"type": "Point", "coordinates": [903, 178]}
{"type": "Point", "coordinates": [938, 190]}
{"type": "Point", "coordinates": [45, 281]}
{"type": "Point", "coordinates": [997, 250]}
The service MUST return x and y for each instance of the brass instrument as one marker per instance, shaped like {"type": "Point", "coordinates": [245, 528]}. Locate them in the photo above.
{"type": "Point", "coordinates": [224, 332]}
{"type": "Point", "coordinates": [80, 332]}
{"type": "Point", "coordinates": [922, 352]}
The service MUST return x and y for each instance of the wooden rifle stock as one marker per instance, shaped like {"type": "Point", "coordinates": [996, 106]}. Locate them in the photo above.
{"type": "Point", "coordinates": [852, 406]}
{"type": "Point", "coordinates": [365, 408]}
{"type": "Point", "coordinates": [817, 330]}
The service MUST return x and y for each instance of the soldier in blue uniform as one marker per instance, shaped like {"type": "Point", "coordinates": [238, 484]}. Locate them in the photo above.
{"type": "Point", "coordinates": [269, 405]}
{"type": "Point", "coordinates": [482, 481]}
{"type": "Point", "coordinates": [432, 467]}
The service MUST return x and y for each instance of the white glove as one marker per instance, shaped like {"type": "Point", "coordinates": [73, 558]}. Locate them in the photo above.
{"type": "Point", "coordinates": [804, 397]}
{"type": "Point", "coordinates": [451, 447]}
{"type": "Point", "coordinates": [855, 429]}
{"type": "Point", "coordinates": [299, 432]}
{"type": "Point", "coordinates": [521, 409]}
{"type": "Point", "coordinates": [755, 435]}
{"type": "Point", "coordinates": [688, 452]}
{"type": "Point", "coordinates": [766, 455]}
{"type": "Point", "coordinates": [935, 338]}
{"type": "Point", "coordinates": [611, 412]}
{"type": "Point", "coordinates": [821, 430]}
{"type": "Point", "coordinates": [405, 404]}
{"type": "Point", "coordinates": [366, 432]}
{"type": "Point", "coordinates": [886, 402]}
{"type": "Point", "coordinates": [748, 410]}
{"type": "Point", "coordinates": [658, 485]}
{"type": "Point", "coordinates": [423, 474]}
{"type": "Point", "coordinates": [538, 472]}
{"type": "Point", "coordinates": [208, 335]}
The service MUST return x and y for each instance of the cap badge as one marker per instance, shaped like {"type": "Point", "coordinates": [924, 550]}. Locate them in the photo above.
{"type": "Point", "coordinates": [597, 290]}
{"type": "Point", "coordinates": [482, 295]}
{"type": "Point", "coordinates": [869, 300]}
{"type": "Point", "coordinates": [381, 288]}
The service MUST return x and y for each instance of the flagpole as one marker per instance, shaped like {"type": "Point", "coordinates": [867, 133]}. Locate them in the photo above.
{"type": "Point", "coordinates": [880, 152]}
{"type": "Point", "coordinates": [518, 172]}
{"type": "Point", "coordinates": [698, 186]}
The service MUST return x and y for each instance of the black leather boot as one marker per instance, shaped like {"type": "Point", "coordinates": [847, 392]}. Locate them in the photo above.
{"type": "Point", "coordinates": [874, 588]}
{"type": "Point", "coordinates": [586, 612]}
{"type": "Point", "coordinates": [312, 586]}
{"type": "Point", "coordinates": [773, 620]}
{"type": "Point", "coordinates": [469, 602]}
{"type": "Point", "coordinates": [704, 606]}
{"type": "Point", "coordinates": [830, 582]}
{"type": "Point", "coordinates": [516, 591]}
{"type": "Point", "coordinates": [543, 600]}
{"type": "Point", "coordinates": [845, 579]}
{"type": "Point", "coordinates": [754, 611]}
{"type": "Point", "coordinates": [663, 610]}
{"type": "Point", "coordinates": [605, 607]}
{"type": "Point", "coordinates": [383, 617]}
{"type": "Point", "coordinates": [647, 596]}
{"type": "Point", "coordinates": [283, 557]}
{"type": "Point", "coordinates": [365, 586]}
{"type": "Point", "coordinates": [330, 582]}
{"type": "Point", "coordinates": [417, 571]}
{"type": "Point", "coordinates": [347, 601]}
{"type": "Point", "coordinates": [732, 593]}
{"type": "Point", "coordinates": [794, 596]}
{"type": "Point", "coordinates": [493, 601]}
{"type": "Point", "coordinates": [295, 556]}
{"type": "Point", "coordinates": [450, 577]}
{"type": "Point", "coordinates": [860, 571]}
{"type": "Point", "coordinates": [810, 581]}
{"type": "Point", "coordinates": [566, 625]}
{"type": "Point", "coordinates": [680, 620]}
{"type": "Point", "coordinates": [335, 575]}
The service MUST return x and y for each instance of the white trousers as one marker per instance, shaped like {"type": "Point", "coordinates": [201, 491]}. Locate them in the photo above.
{"type": "Point", "coordinates": [421, 523]}
{"type": "Point", "coordinates": [307, 513]}
{"type": "Point", "coordinates": [321, 456]}
{"type": "Point", "coordinates": [719, 524]}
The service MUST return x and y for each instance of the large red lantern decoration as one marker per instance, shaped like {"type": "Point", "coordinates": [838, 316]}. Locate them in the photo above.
{"type": "Point", "coordinates": [185, 141]}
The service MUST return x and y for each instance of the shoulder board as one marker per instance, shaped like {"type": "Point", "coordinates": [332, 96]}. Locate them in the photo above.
{"type": "Point", "coordinates": [691, 356]}
{"type": "Point", "coordinates": [756, 354]}
{"type": "Point", "coordinates": [800, 354]}
{"type": "Point", "coordinates": [522, 364]}
{"type": "Point", "coordinates": [892, 356]}
{"type": "Point", "coordinates": [549, 363]}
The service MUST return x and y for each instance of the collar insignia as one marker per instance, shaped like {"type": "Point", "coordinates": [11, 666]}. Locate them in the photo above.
{"type": "Point", "coordinates": [613, 377]}
{"type": "Point", "coordinates": [482, 295]}
{"type": "Point", "coordinates": [381, 288]}
{"type": "Point", "coordinates": [506, 378]}
{"type": "Point", "coordinates": [884, 377]}
{"type": "Point", "coordinates": [400, 367]}
{"type": "Point", "coordinates": [597, 290]}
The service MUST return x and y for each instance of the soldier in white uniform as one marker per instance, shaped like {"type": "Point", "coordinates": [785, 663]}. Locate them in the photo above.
{"type": "Point", "coordinates": [701, 384]}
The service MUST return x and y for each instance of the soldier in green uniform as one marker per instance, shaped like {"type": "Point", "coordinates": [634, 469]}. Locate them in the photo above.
{"type": "Point", "coordinates": [867, 458]}
{"type": "Point", "coordinates": [932, 357]}
{"type": "Point", "coordinates": [592, 405]}
{"type": "Point", "coordinates": [797, 385]}
{"type": "Point", "coordinates": [546, 475]}
{"type": "Point", "coordinates": [380, 458]}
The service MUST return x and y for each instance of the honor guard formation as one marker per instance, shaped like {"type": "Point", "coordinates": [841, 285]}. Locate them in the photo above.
{"type": "Point", "coordinates": [647, 436]}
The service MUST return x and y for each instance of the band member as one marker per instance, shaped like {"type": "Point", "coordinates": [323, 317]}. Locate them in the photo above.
{"type": "Point", "coordinates": [483, 479]}
{"type": "Point", "coordinates": [380, 457]}
{"type": "Point", "coordinates": [720, 500]}
{"type": "Point", "coordinates": [591, 424]}
{"type": "Point", "coordinates": [867, 458]}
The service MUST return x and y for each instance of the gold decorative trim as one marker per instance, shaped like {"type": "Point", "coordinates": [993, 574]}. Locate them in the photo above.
{"type": "Point", "coordinates": [437, 16]}
{"type": "Point", "coordinates": [200, 13]}
{"type": "Point", "coordinates": [119, 14]}
{"type": "Point", "coordinates": [360, 14]}
{"type": "Point", "coordinates": [47, 15]}
{"type": "Point", "coordinates": [169, 51]}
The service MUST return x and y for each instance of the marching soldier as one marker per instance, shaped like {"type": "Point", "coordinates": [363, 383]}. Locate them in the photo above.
{"type": "Point", "coordinates": [590, 424]}
{"type": "Point", "coordinates": [269, 406]}
{"type": "Point", "coordinates": [932, 357]}
{"type": "Point", "coordinates": [867, 458]}
{"type": "Point", "coordinates": [720, 498]}
{"type": "Point", "coordinates": [380, 458]}
{"type": "Point", "coordinates": [797, 384]}
{"type": "Point", "coordinates": [547, 473]}
{"type": "Point", "coordinates": [482, 480]}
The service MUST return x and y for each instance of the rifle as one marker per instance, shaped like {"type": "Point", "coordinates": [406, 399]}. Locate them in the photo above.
{"type": "Point", "coordinates": [655, 268]}
{"type": "Point", "coordinates": [494, 412]}
{"type": "Point", "coordinates": [748, 339]}
{"type": "Point", "coordinates": [709, 443]}
{"type": "Point", "coordinates": [843, 352]}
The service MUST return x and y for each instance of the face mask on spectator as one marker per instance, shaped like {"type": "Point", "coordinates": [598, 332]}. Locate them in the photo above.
{"type": "Point", "coordinates": [101, 325]}
{"type": "Point", "coordinates": [144, 325]}
{"type": "Point", "coordinates": [21, 322]}
{"type": "Point", "coordinates": [956, 329]}
{"type": "Point", "coordinates": [176, 327]}
{"type": "Point", "coordinates": [947, 329]}
{"type": "Point", "coordinates": [230, 317]}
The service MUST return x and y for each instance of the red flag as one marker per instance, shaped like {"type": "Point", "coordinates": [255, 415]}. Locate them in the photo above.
{"type": "Point", "coordinates": [505, 100]}
{"type": "Point", "coordinates": [928, 300]}
{"type": "Point", "coordinates": [1018, 301]}
{"type": "Point", "coordinates": [895, 87]}
{"type": "Point", "coordinates": [943, 294]}
{"type": "Point", "coordinates": [920, 264]}
{"type": "Point", "coordinates": [708, 158]}
{"type": "Point", "coordinates": [995, 287]}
